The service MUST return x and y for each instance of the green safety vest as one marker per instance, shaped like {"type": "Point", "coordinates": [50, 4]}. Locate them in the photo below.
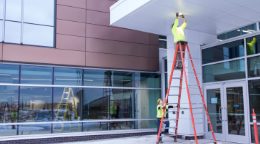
{"type": "Point", "coordinates": [178, 32]}
{"type": "Point", "coordinates": [160, 111]}
{"type": "Point", "coordinates": [251, 46]}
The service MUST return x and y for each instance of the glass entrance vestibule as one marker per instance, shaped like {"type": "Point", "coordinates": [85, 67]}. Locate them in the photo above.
{"type": "Point", "coordinates": [231, 80]}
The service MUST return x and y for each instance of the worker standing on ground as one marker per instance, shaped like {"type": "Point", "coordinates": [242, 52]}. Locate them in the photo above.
{"type": "Point", "coordinates": [159, 115]}
{"type": "Point", "coordinates": [179, 36]}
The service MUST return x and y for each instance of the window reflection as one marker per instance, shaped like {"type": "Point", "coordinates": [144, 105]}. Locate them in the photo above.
{"type": "Point", "coordinates": [252, 45]}
{"type": "Point", "coordinates": [150, 80]}
{"type": "Point", "coordinates": [8, 109]}
{"type": "Point", "coordinates": [38, 35]}
{"type": "Point", "coordinates": [1, 31]}
{"type": "Point", "coordinates": [36, 74]}
{"type": "Point", "coordinates": [35, 106]}
{"type": "Point", "coordinates": [9, 73]}
{"type": "Point", "coordinates": [122, 79]}
{"type": "Point", "coordinates": [254, 97]}
{"type": "Point", "coordinates": [1, 9]}
{"type": "Point", "coordinates": [13, 10]}
{"type": "Point", "coordinates": [224, 71]}
{"type": "Point", "coordinates": [67, 76]}
{"type": "Point", "coordinates": [43, 12]}
{"type": "Point", "coordinates": [253, 64]}
{"type": "Point", "coordinates": [12, 32]}
{"type": "Point", "coordinates": [66, 103]}
{"type": "Point", "coordinates": [95, 103]}
{"type": "Point", "coordinates": [223, 52]}
{"type": "Point", "coordinates": [97, 78]}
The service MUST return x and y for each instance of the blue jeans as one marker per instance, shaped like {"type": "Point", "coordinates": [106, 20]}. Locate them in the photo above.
{"type": "Point", "coordinates": [158, 126]}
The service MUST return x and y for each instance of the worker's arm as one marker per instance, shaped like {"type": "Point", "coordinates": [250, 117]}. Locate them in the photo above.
{"type": "Point", "coordinates": [184, 24]}
{"type": "Point", "coordinates": [176, 23]}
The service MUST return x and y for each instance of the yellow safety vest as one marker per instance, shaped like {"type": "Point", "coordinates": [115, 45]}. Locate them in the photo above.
{"type": "Point", "coordinates": [178, 32]}
{"type": "Point", "coordinates": [160, 111]}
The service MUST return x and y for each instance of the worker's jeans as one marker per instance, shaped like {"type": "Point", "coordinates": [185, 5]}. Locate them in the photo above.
{"type": "Point", "coordinates": [182, 45]}
{"type": "Point", "coordinates": [158, 126]}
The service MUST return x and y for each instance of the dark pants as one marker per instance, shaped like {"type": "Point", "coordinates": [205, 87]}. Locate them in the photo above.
{"type": "Point", "coordinates": [182, 45]}
{"type": "Point", "coordinates": [158, 126]}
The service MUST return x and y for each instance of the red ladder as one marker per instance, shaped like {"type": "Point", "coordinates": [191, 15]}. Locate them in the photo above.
{"type": "Point", "coordinates": [182, 48]}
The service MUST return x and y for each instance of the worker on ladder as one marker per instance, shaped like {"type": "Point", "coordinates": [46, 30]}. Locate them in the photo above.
{"type": "Point", "coordinates": [179, 36]}
{"type": "Point", "coordinates": [160, 114]}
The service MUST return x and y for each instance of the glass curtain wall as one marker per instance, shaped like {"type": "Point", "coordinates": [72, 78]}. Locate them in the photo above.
{"type": "Point", "coordinates": [75, 99]}
{"type": "Point", "coordinates": [228, 62]}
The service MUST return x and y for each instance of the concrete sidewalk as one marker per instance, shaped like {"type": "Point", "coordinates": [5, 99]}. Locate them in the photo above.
{"type": "Point", "coordinates": [149, 139]}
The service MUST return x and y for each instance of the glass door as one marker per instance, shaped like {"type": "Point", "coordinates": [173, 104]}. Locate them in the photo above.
{"type": "Point", "coordinates": [236, 115]}
{"type": "Point", "coordinates": [228, 110]}
{"type": "Point", "coordinates": [215, 101]}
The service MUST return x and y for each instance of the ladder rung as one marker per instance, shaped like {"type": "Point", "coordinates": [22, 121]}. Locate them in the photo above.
{"type": "Point", "coordinates": [169, 127]}
{"type": "Point", "coordinates": [175, 86]}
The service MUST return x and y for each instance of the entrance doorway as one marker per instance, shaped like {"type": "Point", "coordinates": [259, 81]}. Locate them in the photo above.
{"type": "Point", "coordinates": [228, 110]}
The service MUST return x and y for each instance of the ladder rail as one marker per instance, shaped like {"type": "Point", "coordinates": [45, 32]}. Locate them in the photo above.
{"type": "Point", "coordinates": [167, 94]}
{"type": "Point", "coordinates": [189, 97]}
{"type": "Point", "coordinates": [202, 95]}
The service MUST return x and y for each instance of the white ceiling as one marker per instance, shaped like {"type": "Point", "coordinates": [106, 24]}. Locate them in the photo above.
{"type": "Point", "coordinates": [209, 16]}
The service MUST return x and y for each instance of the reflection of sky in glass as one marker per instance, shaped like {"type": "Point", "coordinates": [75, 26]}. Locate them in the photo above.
{"type": "Point", "coordinates": [1, 9]}
{"type": "Point", "coordinates": [13, 10]}
{"type": "Point", "coordinates": [39, 11]}
{"type": "Point", "coordinates": [12, 32]}
{"type": "Point", "coordinates": [1, 32]}
{"type": "Point", "coordinates": [38, 35]}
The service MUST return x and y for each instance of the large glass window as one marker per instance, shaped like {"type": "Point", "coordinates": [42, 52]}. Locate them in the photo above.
{"type": "Point", "coordinates": [253, 64]}
{"type": "Point", "coordinates": [1, 32]}
{"type": "Point", "coordinates": [35, 105]}
{"type": "Point", "coordinates": [9, 73]}
{"type": "Point", "coordinates": [237, 32]}
{"type": "Point", "coordinates": [95, 103]}
{"type": "Point", "coordinates": [150, 80]}
{"type": "Point", "coordinates": [252, 45]}
{"type": "Point", "coordinates": [12, 32]}
{"type": "Point", "coordinates": [43, 36]}
{"type": "Point", "coordinates": [97, 78]}
{"type": "Point", "coordinates": [254, 97]}
{"type": "Point", "coordinates": [28, 21]}
{"type": "Point", "coordinates": [224, 71]}
{"type": "Point", "coordinates": [67, 76]}
{"type": "Point", "coordinates": [39, 12]}
{"type": "Point", "coordinates": [8, 109]}
{"type": "Point", "coordinates": [122, 79]}
{"type": "Point", "coordinates": [36, 74]}
{"type": "Point", "coordinates": [2, 4]}
{"type": "Point", "coordinates": [13, 10]}
{"type": "Point", "coordinates": [223, 52]}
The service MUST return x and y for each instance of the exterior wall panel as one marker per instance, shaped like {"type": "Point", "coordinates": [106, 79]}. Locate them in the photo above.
{"type": "Point", "coordinates": [71, 13]}
{"type": "Point", "coordinates": [1, 51]}
{"type": "Point", "coordinates": [33, 54]}
{"type": "Point", "coordinates": [84, 38]}
{"type": "Point", "coordinates": [73, 3]}
{"type": "Point", "coordinates": [70, 42]}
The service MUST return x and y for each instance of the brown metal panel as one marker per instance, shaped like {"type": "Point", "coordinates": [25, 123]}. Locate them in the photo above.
{"type": "Point", "coordinates": [117, 47]}
{"type": "Point", "coordinates": [1, 51]}
{"type": "Point", "coordinates": [70, 28]}
{"type": "Point", "coordinates": [73, 3]}
{"type": "Point", "coordinates": [68, 42]}
{"type": "Point", "coordinates": [112, 33]}
{"type": "Point", "coordinates": [100, 5]}
{"type": "Point", "coordinates": [98, 18]}
{"type": "Point", "coordinates": [120, 62]}
{"type": "Point", "coordinates": [31, 54]}
{"type": "Point", "coordinates": [71, 13]}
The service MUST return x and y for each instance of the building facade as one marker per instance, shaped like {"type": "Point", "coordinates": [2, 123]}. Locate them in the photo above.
{"type": "Point", "coordinates": [224, 40]}
{"type": "Point", "coordinates": [65, 69]}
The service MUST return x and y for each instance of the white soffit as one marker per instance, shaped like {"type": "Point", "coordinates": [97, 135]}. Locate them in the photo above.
{"type": "Point", "coordinates": [209, 16]}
